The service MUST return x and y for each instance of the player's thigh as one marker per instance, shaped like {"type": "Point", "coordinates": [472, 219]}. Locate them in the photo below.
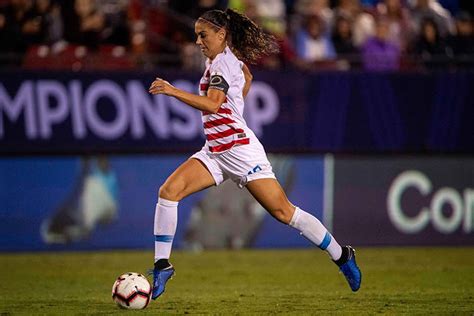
{"type": "Point", "coordinates": [269, 193]}
{"type": "Point", "coordinates": [192, 176]}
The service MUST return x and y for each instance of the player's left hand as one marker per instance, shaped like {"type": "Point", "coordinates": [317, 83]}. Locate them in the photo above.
{"type": "Point", "coordinates": [160, 86]}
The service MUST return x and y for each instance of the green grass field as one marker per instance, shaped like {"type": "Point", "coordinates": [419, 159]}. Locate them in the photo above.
{"type": "Point", "coordinates": [414, 281]}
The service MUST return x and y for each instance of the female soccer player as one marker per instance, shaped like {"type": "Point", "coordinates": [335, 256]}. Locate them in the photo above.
{"type": "Point", "coordinates": [231, 150]}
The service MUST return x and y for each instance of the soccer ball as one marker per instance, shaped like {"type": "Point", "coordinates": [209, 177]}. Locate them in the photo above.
{"type": "Point", "coordinates": [131, 291]}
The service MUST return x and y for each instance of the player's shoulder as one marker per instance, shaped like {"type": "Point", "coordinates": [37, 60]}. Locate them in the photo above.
{"type": "Point", "coordinates": [227, 60]}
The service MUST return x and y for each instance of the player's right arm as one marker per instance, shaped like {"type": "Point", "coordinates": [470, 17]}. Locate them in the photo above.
{"type": "Point", "coordinates": [248, 80]}
{"type": "Point", "coordinates": [210, 103]}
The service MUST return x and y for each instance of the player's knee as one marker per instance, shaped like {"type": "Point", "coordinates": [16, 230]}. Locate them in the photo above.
{"type": "Point", "coordinates": [170, 191]}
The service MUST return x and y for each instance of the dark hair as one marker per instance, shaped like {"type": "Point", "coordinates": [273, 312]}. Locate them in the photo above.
{"type": "Point", "coordinates": [247, 40]}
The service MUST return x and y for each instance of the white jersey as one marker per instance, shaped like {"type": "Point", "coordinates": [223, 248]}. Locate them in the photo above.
{"type": "Point", "coordinates": [226, 128]}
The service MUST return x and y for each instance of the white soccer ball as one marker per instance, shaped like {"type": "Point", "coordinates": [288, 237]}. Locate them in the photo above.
{"type": "Point", "coordinates": [131, 291]}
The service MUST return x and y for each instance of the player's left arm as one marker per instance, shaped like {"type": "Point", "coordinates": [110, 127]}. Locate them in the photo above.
{"type": "Point", "coordinates": [210, 103]}
{"type": "Point", "coordinates": [248, 79]}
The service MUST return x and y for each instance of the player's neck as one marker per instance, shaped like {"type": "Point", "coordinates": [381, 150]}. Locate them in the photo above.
{"type": "Point", "coordinates": [211, 59]}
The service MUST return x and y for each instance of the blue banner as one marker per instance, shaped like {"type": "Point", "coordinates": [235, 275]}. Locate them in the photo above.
{"type": "Point", "coordinates": [289, 111]}
{"type": "Point", "coordinates": [104, 202]}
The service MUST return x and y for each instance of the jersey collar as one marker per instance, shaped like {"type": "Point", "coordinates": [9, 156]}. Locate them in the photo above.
{"type": "Point", "coordinates": [224, 52]}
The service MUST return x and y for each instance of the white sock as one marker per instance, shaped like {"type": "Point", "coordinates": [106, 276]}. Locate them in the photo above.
{"type": "Point", "coordinates": [166, 218]}
{"type": "Point", "coordinates": [314, 230]}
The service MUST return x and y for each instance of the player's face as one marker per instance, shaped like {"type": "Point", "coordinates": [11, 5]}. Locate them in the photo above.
{"type": "Point", "coordinates": [210, 41]}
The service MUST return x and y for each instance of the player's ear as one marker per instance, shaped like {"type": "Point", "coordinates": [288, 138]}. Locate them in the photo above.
{"type": "Point", "coordinates": [221, 34]}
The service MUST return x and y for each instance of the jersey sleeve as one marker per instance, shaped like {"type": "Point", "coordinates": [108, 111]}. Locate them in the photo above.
{"type": "Point", "coordinates": [220, 76]}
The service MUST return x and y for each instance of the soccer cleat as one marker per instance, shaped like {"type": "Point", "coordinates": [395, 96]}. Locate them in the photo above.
{"type": "Point", "coordinates": [160, 277]}
{"type": "Point", "coordinates": [351, 271]}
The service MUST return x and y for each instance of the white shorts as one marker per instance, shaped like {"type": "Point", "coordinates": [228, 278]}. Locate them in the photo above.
{"type": "Point", "coordinates": [241, 164]}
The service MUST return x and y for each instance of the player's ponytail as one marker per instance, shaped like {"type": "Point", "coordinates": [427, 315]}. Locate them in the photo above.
{"type": "Point", "coordinates": [246, 39]}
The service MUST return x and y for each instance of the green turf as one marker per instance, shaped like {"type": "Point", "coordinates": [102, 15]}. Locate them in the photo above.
{"type": "Point", "coordinates": [413, 281]}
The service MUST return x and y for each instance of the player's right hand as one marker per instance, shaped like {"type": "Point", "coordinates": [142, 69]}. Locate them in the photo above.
{"type": "Point", "coordinates": [160, 86]}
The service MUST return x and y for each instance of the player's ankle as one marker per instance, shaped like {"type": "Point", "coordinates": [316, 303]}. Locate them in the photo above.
{"type": "Point", "coordinates": [162, 264]}
{"type": "Point", "coordinates": [345, 255]}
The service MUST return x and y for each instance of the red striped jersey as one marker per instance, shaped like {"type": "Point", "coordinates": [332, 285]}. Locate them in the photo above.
{"type": "Point", "coordinates": [226, 128]}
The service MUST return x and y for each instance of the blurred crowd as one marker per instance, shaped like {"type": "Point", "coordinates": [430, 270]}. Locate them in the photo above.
{"type": "Point", "coordinates": [377, 35]}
